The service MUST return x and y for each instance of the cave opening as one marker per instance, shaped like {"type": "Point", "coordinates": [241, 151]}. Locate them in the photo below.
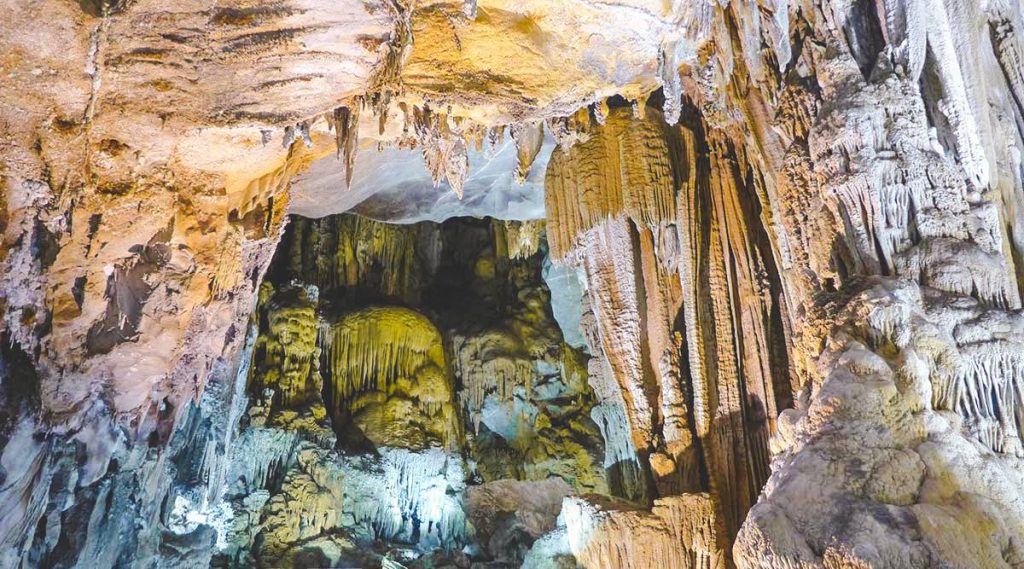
{"type": "Point", "coordinates": [416, 388]}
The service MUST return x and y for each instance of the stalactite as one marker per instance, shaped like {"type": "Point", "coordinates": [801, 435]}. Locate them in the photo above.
{"type": "Point", "coordinates": [371, 349]}
{"type": "Point", "coordinates": [387, 81]}
{"type": "Point", "coordinates": [522, 238]}
{"type": "Point", "coordinates": [671, 84]}
{"type": "Point", "coordinates": [640, 106]}
{"type": "Point", "coordinates": [346, 132]}
{"type": "Point", "coordinates": [529, 139]}
{"type": "Point", "coordinates": [955, 104]}
{"type": "Point", "coordinates": [444, 150]}
{"type": "Point", "coordinates": [613, 202]}
{"type": "Point", "coordinates": [600, 110]}
{"type": "Point", "coordinates": [986, 390]}
{"type": "Point", "coordinates": [727, 303]}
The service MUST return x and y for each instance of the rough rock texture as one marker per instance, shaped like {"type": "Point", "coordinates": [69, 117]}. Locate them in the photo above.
{"type": "Point", "coordinates": [410, 395]}
{"type": "Point", "coordinates": [509, 515]}
{"type": "Point", "coordinates": [677, 532]}
{"type": "Point", "coordinates": [798, 227]}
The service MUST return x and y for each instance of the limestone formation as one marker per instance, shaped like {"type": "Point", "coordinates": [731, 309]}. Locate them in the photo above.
{"type": "Point", "coordinates": [465, 283]}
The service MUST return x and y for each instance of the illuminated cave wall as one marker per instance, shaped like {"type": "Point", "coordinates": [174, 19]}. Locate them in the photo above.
{"type": "Point", "coordinates": [404, 380]}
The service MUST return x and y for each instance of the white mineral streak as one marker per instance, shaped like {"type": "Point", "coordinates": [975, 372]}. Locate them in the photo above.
{"type": "Point", "coordinates": [611, 283]}
{"type": "Point", "coordinates": [566, 304]}
{"type": "Point", "coordinates": [411, 496]}
{"type": "Point", "coordinates": [610, 412]}
{"type": "Point", "coordinates": [21, 496]}
{"type": "Point", "coordinates": [187, 516]}
{"type": "Point", "coordinates": [251, 470]}
{"type": "Point", "coordinates": [218, 461]}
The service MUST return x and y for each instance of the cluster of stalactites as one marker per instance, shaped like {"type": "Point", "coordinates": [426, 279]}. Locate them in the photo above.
{"type": "Point", "coordinates": [371, 349]}
{"type": "Point", "coordinates": [975, 366]}
{"type": "Point", "coordinates": [251, 471]}
{"type": "Point", "coordinates": [386, 85]}
{"type": "Point", "coordinates": [984, 383]}
{"type": "Point", "coordinates": [412, 493]}
{"type": "Point", "coordinates": [989, 393]}
{"type": "Point", "coordinates": [352, 252]}
{"type": "Point", "coordinates": [906, 209]}
{"type": "Point", "coordinates": [624, 166]}
{"type": "Point", "coordinates": [443, 139]}
{"type": "Point", "coordinates": [519, 239]}
{"type": "Point", "coordinates": [487, 365]}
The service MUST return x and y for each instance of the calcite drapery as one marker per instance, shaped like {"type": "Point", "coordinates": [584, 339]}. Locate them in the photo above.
{"type": "Point", "coordinates": [687, 298]}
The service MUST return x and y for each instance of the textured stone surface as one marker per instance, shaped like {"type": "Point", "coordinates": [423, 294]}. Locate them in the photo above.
{"type": "Point", "coordinates": [356, 443]}
{"type": "Point", "coordinates": [798, 226]}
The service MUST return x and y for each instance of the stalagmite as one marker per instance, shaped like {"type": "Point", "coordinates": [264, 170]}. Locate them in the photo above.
{"type": "Point", "coordinates": [678, 532]}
